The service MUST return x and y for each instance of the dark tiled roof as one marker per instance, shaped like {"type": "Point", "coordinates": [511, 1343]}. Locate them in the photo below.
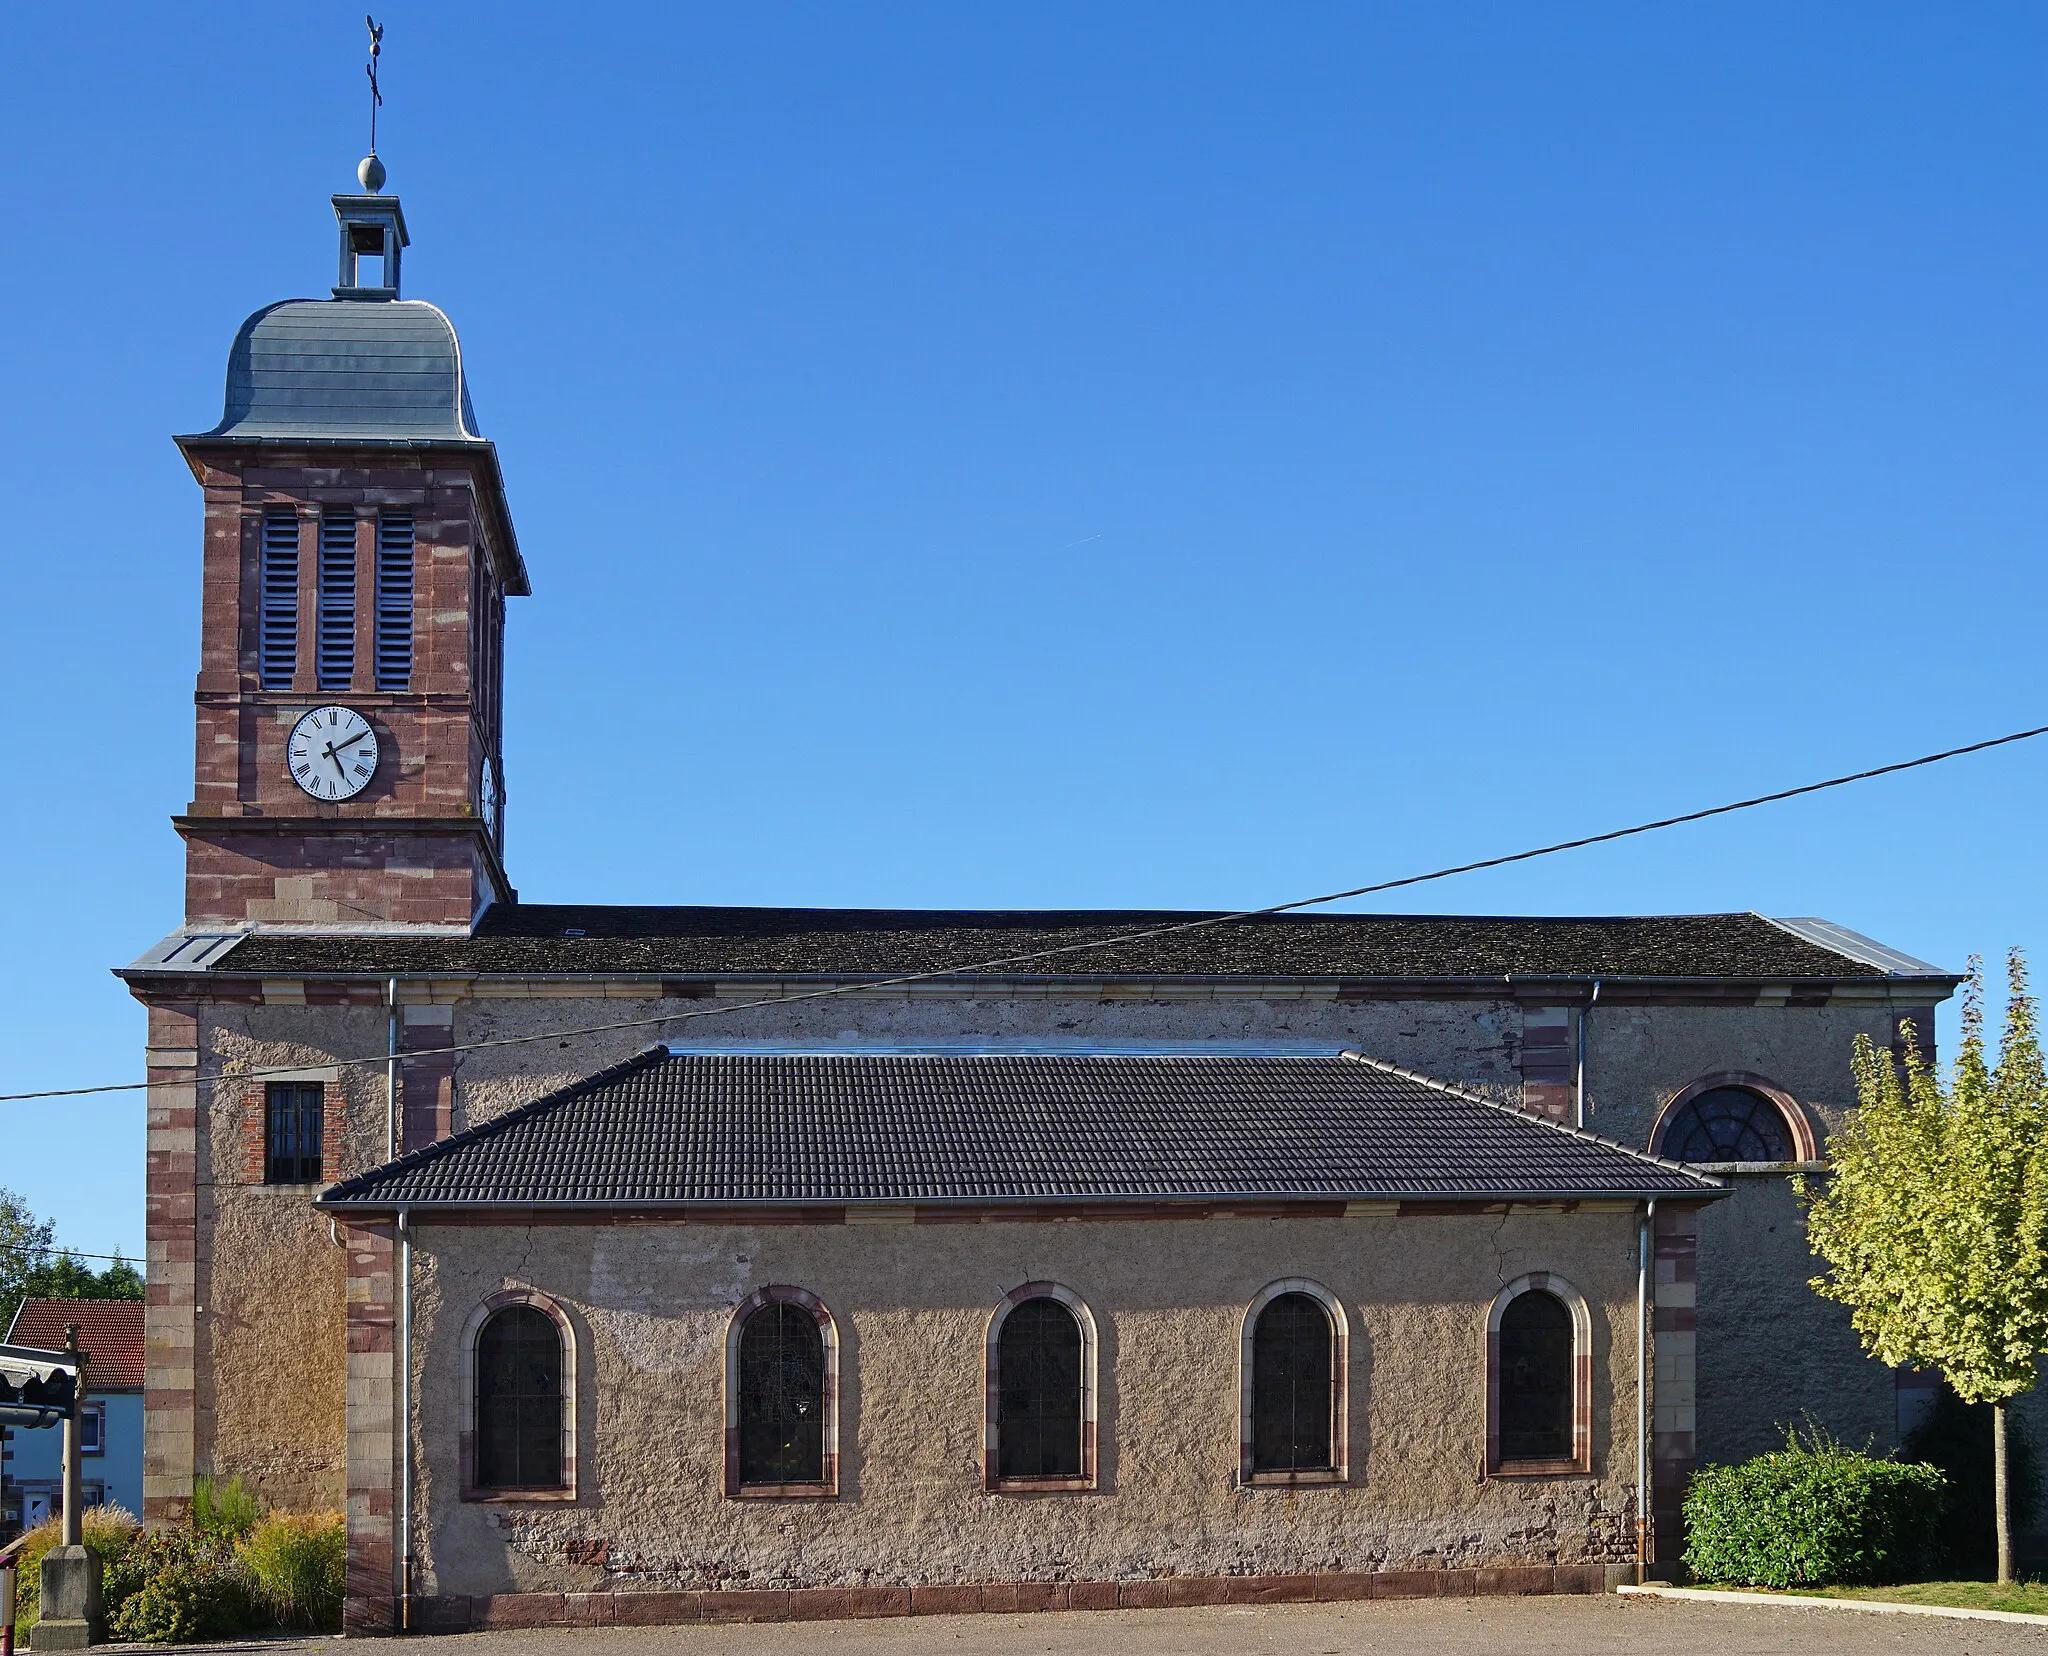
{"type": "Point", "coordinates": [109, 1332]}
{"type": "Point", "coordinates": [542, 937]}
{"type": "Point", "coordinates": [833, 1128]}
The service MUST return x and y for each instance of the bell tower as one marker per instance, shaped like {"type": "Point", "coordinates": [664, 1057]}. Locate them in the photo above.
{"type": "Point", "coordinates": [358, 555]}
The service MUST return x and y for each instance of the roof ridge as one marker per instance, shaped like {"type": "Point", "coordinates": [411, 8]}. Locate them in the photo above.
{"type": "Point", "coordinates": [1519, 1114]}
{"type": "Point", "coordinates": [646, 1056]}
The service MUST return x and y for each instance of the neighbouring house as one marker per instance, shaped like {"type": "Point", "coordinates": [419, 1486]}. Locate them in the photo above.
{"type": "Point", "coordinates": [645, 1263]}
{"type": "Point", "coordinates": [111, 1419]}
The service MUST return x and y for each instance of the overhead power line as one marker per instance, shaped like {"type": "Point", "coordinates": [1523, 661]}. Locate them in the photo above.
{"type": "Point", "coordinates": [1115, 940]}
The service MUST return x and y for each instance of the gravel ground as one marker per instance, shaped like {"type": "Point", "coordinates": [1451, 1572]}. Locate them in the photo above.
{"type": "Point", "coordinates": [1466, 1627]}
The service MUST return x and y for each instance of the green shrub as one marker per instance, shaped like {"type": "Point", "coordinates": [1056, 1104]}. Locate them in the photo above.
{"type": "Point", "coordinates": [174, 1588]}
{"type": "Point", "coordinates": [110, 1531]}
{"type": "Point", "coordinates": [295, 1566]}
{"type": "Point", "coordinates": [1956, 1436]}
{"type": "Point", "coordinates": [224, 1512]}
{"type": "Point", "coordinates": [1812, 1515]}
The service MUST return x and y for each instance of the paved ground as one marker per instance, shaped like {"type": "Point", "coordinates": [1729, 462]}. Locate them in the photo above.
{"type": "Point", "coordinates": [1468, 1627]}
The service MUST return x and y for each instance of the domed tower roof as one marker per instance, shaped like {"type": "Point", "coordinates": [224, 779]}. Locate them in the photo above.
{"type": "Point", "coordinates": [363, 366]}
{"type": "Point", "coordinates": [348, 370]}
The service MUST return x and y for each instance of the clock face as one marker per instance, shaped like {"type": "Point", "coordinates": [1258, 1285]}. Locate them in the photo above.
{"type": "Point", "coordinates": [487, 801]}
{"type": "Point", "coordinates": [332, 753]}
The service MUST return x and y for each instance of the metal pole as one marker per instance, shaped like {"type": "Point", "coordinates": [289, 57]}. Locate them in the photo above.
{"type": "Point", "coordinates": [7, 1608]}
{"type": "Point", "coordinates": [74, 1487]}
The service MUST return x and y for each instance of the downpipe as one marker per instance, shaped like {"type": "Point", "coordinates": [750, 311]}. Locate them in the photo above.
{"type": "Point", "coordinates": [405, 1550]}
{"type": "Point", "coordinates": [391, 1070]}
{"type": "Point", "coordinates": [1585, 1036]}
{"type": "Point", "coordinates": [1643, 1259]}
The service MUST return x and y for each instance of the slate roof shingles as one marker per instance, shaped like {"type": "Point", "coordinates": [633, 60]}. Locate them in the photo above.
{"type": "Point", "coordinates": [551, 938]}
{"type": "Point", "coordinates": [834, 1128]}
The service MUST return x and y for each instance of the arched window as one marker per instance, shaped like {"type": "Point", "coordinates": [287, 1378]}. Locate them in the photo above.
{"type": "Point", "coordinates": [1731, 1118]}
{"type": "Point", "coordinates": [782, 1396]}
{"type": "Point", "coordinates": [1292, 1368]}
{"type": "Point", "coordinates": [1041, 1391]}
{"type": "Point", "coordinates": [518, 1401]}
{"type": "Point", "coordinates": [1539, 1378]}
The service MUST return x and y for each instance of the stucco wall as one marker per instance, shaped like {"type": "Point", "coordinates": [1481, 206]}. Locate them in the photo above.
{"type": "Point", "coordinates": [268, 1331]}
{"type": "Point", "coordinates": [650, 1304]}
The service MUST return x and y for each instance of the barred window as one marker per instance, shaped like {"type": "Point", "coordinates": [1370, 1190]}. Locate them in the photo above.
{"type": "Point", "coordinates": [277, 644]}
{"type": "Point", "coordinates": [1535, 1379]}
{"type": "Point", "coordinates": [782, 1397]}
{"type": "Point", "coordinates": [336, 658]}
{"type": "Point", "coordinates": [1728, 1124]}
{"type": "Point", "coordinates": [1293, 1386]}
{"type": "Point", "coordinates": [1038, 1392]}
{"type": "Point", "coordinates": [394, 600]}
{"type": "Point", "coordinates": [291, 1131]}
{"type": "Point", "coordinates": [519, 1401]}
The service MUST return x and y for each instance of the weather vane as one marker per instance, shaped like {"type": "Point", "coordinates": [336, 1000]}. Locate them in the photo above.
{"type": "Point", "coordinates": [370, 69]}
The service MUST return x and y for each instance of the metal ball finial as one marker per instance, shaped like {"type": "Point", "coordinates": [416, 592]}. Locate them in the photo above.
{"type": "Point", "coordinates": [371, 173]}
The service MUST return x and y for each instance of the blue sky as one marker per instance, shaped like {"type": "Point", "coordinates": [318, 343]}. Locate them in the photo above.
{"type": "Point", "coordinates": [1081, 454]}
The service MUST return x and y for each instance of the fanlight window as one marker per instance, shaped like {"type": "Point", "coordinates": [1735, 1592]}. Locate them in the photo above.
{"type": "Point", "coordinates": [1293, 1386]}
{"type": "Point", "coordinates": [1728, 1124]}
{"type": "Point", "coordinates": [519, 1401]}
{"type": "Point", "coordinates": [1038, 1392]}
{"type": "Point", "coordinates": [782, 1397]}
{"type": "Point", "coordinates": [1535, 1379]}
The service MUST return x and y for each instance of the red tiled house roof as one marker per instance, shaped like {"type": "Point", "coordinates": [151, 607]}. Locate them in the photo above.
{"type": "Point", "coordinates": [109, 1332]}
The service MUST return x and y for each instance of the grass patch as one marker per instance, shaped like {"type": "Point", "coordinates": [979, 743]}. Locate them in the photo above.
{"type": "Point", "coordinates": [2029, 1598]}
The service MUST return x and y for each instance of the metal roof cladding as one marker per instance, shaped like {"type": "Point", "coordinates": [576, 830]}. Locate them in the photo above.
{"type": "Point", "coordinates": [666, 1130]}
{"type": "Point", "coordinates": [348, 370]}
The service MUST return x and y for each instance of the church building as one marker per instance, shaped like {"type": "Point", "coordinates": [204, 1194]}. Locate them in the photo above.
{"type": "Point", "coordinates": [622, 1264]}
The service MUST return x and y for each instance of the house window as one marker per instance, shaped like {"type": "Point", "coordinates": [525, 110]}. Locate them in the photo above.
{"type": "Point", "coordinates": [1539, 1383]}
{"type": "Point", "coordinates": [1041, 1392]}
{"type": "Point", "coordinates": [292, 1113]}
{"type": "Point", "coordinates": [277, 644]}
{"type": "Point", "coordinates": [335, 654]}
{"type": "Point", "coordinates": [1726, 1124]}
{"type": "Point", "coordinates": [1291, 1429]}
{"type": "Point", "coordinates": [782, 1386]}
{"type": "Point", "coordinates": [518, 1401]}
{"type": "Point", "coordinates": [394, 600]}
{"type": "Point", "coordinates": [92, 1429]}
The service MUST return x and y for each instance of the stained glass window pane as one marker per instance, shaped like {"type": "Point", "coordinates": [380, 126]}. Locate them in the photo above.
{"type": "Point", "coordinates": [519, 1401]}
{"type": "Point", "coordinates": [782, 1397]}
{"type": "Point", "coordinates": [1292, 1386]}
{"type": "Point", "coordinates": [1038, 1392]}
{"type": "Point", "coordinates": [1536, 1379]}
{"type": "Point", "coordinates": [1728, 1124]}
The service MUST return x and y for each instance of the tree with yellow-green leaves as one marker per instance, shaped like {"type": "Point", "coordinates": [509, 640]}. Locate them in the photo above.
{"type": "Point", "coordinates": [1933, 1217]}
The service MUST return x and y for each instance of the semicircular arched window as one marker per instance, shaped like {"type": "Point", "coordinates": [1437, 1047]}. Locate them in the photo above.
{"type": "Point", "coordinates": [1536, 1391]}
{"type": "Point", "coordinates": [519, 1401]}
{"type": "Point", "coordinates": [782, 1397]}
{"type": "Point", "coordinates": [1293, 1386]}
{"type": "Point", "coordinates": [1728, 1124]}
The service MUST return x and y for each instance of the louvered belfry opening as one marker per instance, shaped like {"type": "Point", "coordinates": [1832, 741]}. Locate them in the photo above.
{"type": "Point", "coordinates": [335, 662]}
{"type": "Point", "coordinates": [1293, 1386]}
{"type": "Point", "coordinates": [1038, 1392]}
{"type": "Point", "coordinates": [394, 600]}
{"type": "Point", "coordinates": [1536, 1379]}
{"type": "Point", "coordinates": [782, 1397]}
{"type": "Point", "coordinates": [292, 1112]}
{"type": "Point", "coordinates": [277, 645]}
{"type": "Point", "coordinates": [519, 1401]}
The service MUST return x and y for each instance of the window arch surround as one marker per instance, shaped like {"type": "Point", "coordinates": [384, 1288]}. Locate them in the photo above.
{"type": "Point", "coordinates": [1337, 1468]}
{"type": "Point", "coordinates": [1579, 1455]}
{"type": "Point", "coordinates": [827, 1484]}
{"type": "Point", "coordinates": [1692, 1114]}
{"type": "Point", "coordinates": [993, 1477]}
{"type": "Point", "coordinates": [472, 1486]}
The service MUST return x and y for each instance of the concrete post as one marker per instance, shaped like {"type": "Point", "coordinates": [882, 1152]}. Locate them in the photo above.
{"type": "Point", "coordinates": [72, 1615]}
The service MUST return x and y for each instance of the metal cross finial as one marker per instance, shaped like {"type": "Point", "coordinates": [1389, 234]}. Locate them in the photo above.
{"type": "Point", "coordinates": [370, 69]}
